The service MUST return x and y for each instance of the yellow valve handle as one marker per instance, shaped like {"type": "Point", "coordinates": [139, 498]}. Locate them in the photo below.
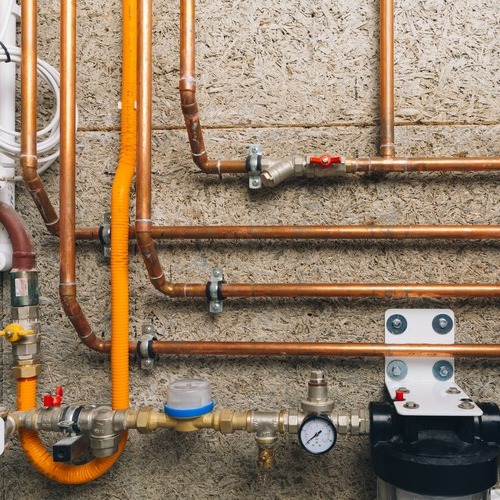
{"type": "Point", "coordinates": [14, 332]}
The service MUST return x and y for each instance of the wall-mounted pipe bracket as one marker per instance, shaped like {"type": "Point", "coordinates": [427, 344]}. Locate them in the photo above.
{"type": "Point", "coordinates": [145, 348]}
{"type": "Point", "coordinates": [214, 291]}
{"type": "Point", "coordinates": [105, 234]}
{"type": "Point", "coordinates": [254, 166]}
{"type": "Point", "coordinates": [424, 386]}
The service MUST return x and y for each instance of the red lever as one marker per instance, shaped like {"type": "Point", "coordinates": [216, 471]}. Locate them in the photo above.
{"type": "Point", "coordinates": [325, 161]}
{"type": "Point", "coordinates": [54, 399]}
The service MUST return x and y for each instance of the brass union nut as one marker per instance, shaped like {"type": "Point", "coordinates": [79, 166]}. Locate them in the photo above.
{"type": "Point", "coordinates": [26, 371]}
{"type": "Point", "coordinates": [226, 421]}
{"type": "Point", "coordinates": [142, 422]}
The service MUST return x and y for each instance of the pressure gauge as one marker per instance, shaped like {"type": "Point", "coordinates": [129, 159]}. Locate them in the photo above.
{"type": "Point", "coordinates": [317, 434]}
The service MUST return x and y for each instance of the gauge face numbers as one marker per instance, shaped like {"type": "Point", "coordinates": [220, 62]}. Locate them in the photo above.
{"type": "Point", "coordinates": [317, 434]}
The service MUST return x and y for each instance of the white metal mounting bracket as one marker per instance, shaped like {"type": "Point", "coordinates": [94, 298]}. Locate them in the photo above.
{"type": "Point", "coordinates": [424, 386]}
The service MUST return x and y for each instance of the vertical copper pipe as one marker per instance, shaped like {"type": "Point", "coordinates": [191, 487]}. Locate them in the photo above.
{"type": "Point", "coordinates": [387, 78]}
{"type": "Point", "coordinates": [143, 222]}
{"type": "Point", "coordinates": [187, 84]}
{"type": "Point", "coordinates": [189, 105]}
{"type": "Point", "coordinates": [67, 286]}
{"type": "Point", "coordinates": [29, 106]}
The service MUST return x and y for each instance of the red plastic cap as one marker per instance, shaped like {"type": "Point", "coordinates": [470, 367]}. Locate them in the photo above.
{"type": "Point", "coordinates": [400, 395]}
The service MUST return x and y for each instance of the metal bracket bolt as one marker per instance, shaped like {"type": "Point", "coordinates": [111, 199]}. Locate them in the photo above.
{"type": "Point", "coordinates": [254, 166]}
{"type": "Point", "coordinates": [397, 324]}
{"type": "Point", "coordinates": [397, 370]}
{"type": "Point", "coordinates": [105, 234]}
{"type": "Point", "coordinates": [144, 348]}
{"type": "Point", "coordinates": [442, 370]}
{"type": "Point", "coordinates": [442, 324]}
{"type": "Point", "coordinates": [214, 291]}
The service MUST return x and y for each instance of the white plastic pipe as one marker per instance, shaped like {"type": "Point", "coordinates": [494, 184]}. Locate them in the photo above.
{"type": "Point", "coordinates": [7, 121]}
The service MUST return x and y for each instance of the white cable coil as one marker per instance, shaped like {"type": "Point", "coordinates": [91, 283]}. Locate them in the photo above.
{"type": "Point", "coordinates": [48, 137]}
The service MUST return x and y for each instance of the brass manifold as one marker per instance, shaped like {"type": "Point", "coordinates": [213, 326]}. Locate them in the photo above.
{"type": "Point", "coordinates": [104, 425]}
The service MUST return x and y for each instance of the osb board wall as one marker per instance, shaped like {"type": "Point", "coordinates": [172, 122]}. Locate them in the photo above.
{"type": "Point", "coordinates": [297, 77]}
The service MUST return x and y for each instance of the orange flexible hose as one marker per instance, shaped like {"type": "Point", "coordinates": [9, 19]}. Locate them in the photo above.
{"type": "Point", "coordinates": [26, 395]}
{"type": "Point", "coordinates": [42, 459]}
{"type": "Point", "coordinates": [120, 199]}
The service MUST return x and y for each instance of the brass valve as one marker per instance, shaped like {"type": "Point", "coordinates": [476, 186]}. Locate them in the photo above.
{"type": "Point", "coordinates": [15, 332]}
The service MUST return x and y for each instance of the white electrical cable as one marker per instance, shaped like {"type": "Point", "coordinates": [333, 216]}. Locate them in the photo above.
{"type": "Point", "coordinates": [48, 138]}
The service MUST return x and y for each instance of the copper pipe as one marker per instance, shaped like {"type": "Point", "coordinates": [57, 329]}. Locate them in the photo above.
{"type": "Point", "coordinates": [422, 164]}
{"type": "Point", "coordinates": [323, 232]}
{"type": "Point", "coordinates": [23, 255]}
{"type": "Point", "coordinates": [387, 78]}
{"type": "Point", "coordinates": [67, 286]}
{"type": "Point", "coordinates": [481, 232]}
{"type": "Point", "coordinates": [189, 106]}
{"type": "Point", "coordinates": [29, 106]}
{"type": "Point", "coordinates": [324, 349]}
{"type": "Point", "coordinates": [357, 290]}
{"type": "Point", "coordinates": [143, 223]}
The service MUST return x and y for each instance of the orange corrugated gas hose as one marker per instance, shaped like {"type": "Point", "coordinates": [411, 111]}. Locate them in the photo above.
{"type": "Point", "coordinates": [26, 400]}
{"type": "Point", "coordinates": [120, 199]}
{"type": "Point", "coordinates": [42, 459]}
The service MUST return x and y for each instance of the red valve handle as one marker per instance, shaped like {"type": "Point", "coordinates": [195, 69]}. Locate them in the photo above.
{"type": "Point", "coordinates": [55, 399]}
{"type": "Point", "coordinates": [325, 161]}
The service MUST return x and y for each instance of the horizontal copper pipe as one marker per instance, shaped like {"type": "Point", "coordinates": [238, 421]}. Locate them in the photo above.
{"type": "Point", "coordinates": [481, 232]}
{"type": "Point", "coordinates": [325, 232]}
{"type": "Point", "coordinates": [341, 349]}
{"type": "Point", "coordinates": [357, 290]}
{"type": "Point", "coordinates": [422, 164]}
{"type": "Point", "coordinates": [324, 349]}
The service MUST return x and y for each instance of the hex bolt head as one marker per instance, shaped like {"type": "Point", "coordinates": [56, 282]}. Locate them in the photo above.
{"type": "Point", "coordinates": [396, 324]}
{"type": "Point", "coordinates": [442, 324]}
{"type": "Point", "coordinates": [397, 370]}
{"type": "Point", "coordinates": [453, 390]}
{"type": "Point", "coordinates": [442, 370]}
{"type": "Point", "coordinates": [411, 405]}
{"type": "Point", "coordinates": [466, 405]}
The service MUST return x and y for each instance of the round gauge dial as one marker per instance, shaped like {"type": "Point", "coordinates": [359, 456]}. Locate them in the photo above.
{"type": "Point", "coordinates": [317, 434]}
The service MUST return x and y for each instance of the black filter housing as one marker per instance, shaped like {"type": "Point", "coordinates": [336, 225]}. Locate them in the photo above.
{"type": "Point", "coordinates": [436, 456]}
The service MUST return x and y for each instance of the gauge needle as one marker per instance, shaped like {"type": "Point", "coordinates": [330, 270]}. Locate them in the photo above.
{"type": "Point", "coordinates": [315, 436]}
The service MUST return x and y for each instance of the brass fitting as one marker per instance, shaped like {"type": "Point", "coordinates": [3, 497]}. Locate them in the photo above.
{"type": "Point", "coordinates": [26, 369]}
{"type": "Point", "coordinates": [267, 458]}
{"type": "Point", "coordinates": [147, 420]}
{"type": "Point", "coordinates": [225, 421]}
